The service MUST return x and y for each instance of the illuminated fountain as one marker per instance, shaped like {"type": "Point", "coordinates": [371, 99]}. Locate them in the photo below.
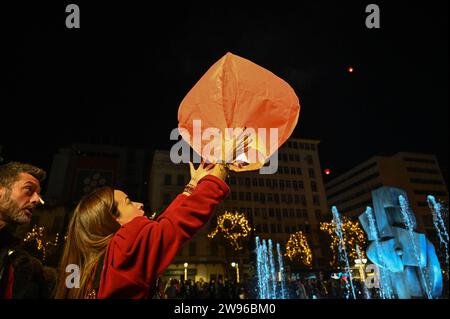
{"type": "Point", "coordinates": [439, 225]}
{"type": "Point", "coordinates": [385, 289]}
{"type": "Point", "coordinates": [270, 275]}
{"type": "Point", "coordinates": [342, 252]}
{"type": "Point", "coordinates": [407, 259]}
{"type": "Point", "coordinates": [410, 225]}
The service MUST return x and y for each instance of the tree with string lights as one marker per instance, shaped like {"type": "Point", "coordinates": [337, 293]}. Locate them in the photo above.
{"type": "Point", "coordinates": [36, 240]}
{"type": "Point", "coordinates": [297, 247]}
{"type": "Point", "coordinates": [234, 227]}
{"type": "Point", "coordinates": [353, 236]}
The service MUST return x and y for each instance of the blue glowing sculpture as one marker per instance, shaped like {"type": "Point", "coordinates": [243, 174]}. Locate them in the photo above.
{"type": "Point", "coordinates": [407, 259]}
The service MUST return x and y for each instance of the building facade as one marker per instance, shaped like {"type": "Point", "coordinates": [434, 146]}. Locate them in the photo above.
{"type": "Point", "coordinates": [276, 206]}
{"type": "Point", "coordinates": [418, 174]}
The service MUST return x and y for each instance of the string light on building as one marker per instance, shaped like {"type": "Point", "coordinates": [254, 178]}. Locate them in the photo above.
{"type": "Point", "coordinates": [353, 236]}
{"type": "Point", "coordinates": [298, 247]}
{"type": "Point", "coordinates": [232, 226]}
{"type": "Point", "coordinates": [37, 236]}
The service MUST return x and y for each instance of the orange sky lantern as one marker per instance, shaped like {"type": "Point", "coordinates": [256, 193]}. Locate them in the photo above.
{"type": "Point", "coordinates": [237, 93]}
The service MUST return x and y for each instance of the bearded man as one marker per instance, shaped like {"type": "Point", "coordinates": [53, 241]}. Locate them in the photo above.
{"type": "Point", "coordinates": [21, 276]}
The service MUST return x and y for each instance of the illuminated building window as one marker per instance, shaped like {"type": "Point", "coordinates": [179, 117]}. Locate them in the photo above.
{"type": "Point", "coordinates": [276, 198]}
{"type": "Point", "coordinates": [278, 213]}
{"type": "Point", "coordinates": [289, 198]}
{"type": "Point", "coordinates": [318, 214]}
{"type": "Point", "coordinates": [273, 228]}
{"type": "Point", "coordinates": [262, 197]}
{"type": "Point", "coordinates": [316, 200]}
{"type": "Point", "coordinates": [167, 179]}
{"type": "Point", "coordinates": [303, 200]}
{"type": "Point", "coordinates": [264, 212]}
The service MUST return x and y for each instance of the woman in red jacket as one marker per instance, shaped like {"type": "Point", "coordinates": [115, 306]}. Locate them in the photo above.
{"type": "Point", "coordinates": [119, 252]}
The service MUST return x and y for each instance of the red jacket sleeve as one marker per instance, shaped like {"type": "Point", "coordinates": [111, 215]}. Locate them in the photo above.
{"type": "Point", "coordinates": [142, 249]}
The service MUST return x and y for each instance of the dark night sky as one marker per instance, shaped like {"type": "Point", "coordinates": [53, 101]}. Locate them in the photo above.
{"type": "Point", "coordinates": [121, 77]}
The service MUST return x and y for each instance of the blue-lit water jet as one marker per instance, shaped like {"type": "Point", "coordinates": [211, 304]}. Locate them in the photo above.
{"type": "Point", "coordinates": [385, 289]}
{"type": "Point", "coordinates": [363, 284]}
{"type": "Point", "coordinates": [281, 271]}
{"type": "Point", "coordinates": [343, 252]}
{"type": "Point", "coordinates": [439, 225]}
{"type": "Point", "coordinates": [270, 286]}
{"type": "Point", "coordinates": [410, 226]}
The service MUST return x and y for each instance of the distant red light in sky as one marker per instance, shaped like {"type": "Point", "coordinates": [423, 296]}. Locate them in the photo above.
{"type": "Point", "coordinates": [350, 69]}
{"type": "Point", "coordinates": [327, 171]}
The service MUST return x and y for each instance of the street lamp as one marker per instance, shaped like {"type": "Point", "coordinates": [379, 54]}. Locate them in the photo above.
{"type": "Point", "coordinates": [236, 265]}
{"type": "Point", "coordinates": [185, 271]}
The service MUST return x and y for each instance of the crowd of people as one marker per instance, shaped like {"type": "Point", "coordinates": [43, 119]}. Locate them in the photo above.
{"type": "Point", "coordinates": [201, 289]}
{"type": "Point", "coordinates": [303, 287]}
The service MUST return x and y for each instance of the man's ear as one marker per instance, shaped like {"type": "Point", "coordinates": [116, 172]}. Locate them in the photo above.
{"type": "Point", "coordinates": [2, 190]}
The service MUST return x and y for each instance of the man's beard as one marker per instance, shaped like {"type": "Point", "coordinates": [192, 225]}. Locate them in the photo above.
{"type": "Point", "coordinates": [11, 213]}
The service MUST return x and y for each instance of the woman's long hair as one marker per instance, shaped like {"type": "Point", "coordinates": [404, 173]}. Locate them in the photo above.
{"type": "Point", "coordinates": [91, 227]}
